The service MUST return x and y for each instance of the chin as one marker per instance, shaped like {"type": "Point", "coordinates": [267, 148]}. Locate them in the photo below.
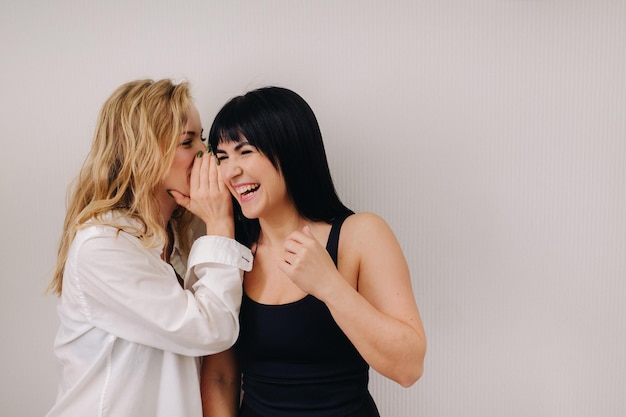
{"type": "Point", "coordinates": [248, 214]}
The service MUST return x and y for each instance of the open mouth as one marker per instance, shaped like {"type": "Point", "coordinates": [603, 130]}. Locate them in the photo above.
{"type": "Point", "coordinates": [247, 190]}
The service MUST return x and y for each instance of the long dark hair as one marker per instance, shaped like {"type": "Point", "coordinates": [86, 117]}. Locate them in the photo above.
{"type": "Point", "coordinates": [283, 127]}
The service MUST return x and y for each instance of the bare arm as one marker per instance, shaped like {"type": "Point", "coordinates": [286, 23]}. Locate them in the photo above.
{"type": "Point", "coordinates": [381, 318]}
{"type": "Point", "coordinates": [220, 385]}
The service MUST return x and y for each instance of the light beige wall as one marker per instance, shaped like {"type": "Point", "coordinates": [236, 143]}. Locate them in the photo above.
{"type": "Point", "coordinates": [490, 134]}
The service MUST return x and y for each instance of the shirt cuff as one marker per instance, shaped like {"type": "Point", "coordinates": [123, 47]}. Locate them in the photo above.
{"type": "Point", "coordinates": [221, 250]}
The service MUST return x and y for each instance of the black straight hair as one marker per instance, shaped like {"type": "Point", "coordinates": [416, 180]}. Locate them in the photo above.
{"type": "Point", "coordinates": [283, 127]}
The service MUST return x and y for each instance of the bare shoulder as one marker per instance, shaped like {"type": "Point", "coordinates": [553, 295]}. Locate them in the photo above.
{"type": "Point", "coordinates": [379, 263]}
{"type": "Point", "coordinates": [365, 234]}
{"type": "Point", "coordinates": [366, 225]}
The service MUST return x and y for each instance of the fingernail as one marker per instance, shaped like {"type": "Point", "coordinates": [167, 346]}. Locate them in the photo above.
{"type": "Point", "coordinates": [209, 149]}
{"type": "Point", "coordinates": [169, 193]}
{"type": "Point", "coordinates": [199, 154]}
{"type": "Point", "coordinates": [218, 160]}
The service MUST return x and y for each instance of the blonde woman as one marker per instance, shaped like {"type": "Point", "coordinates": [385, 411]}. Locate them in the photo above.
{"type": "Point", "coordinates": [131, 325]}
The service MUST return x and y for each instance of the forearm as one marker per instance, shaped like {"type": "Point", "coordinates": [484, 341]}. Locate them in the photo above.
{"type": "Point", "coordinates": [220, 398]}
{"type": "Point", "coordinates": [128, 292]}
{"type": "Point", "coordinates": [225, 228]}
{"type": "Point", "coordinates": [368, 292]}
{"type": "Point", "coordinates": [394, 348]}
{"type": "Point", "coordinates": [214, 272]}
{"type": "Point", "coordinates": [220, 385]}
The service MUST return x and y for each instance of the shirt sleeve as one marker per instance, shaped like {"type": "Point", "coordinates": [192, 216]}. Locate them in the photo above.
{"type": "Point", "coordinates": [127, 290]}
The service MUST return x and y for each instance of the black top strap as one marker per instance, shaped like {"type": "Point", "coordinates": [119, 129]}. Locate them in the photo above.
{"type": "Point", "coordinates": [333, 238]}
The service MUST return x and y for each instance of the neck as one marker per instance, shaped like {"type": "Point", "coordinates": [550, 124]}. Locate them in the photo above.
{"type": "Point", "coordinates": [169, 245]}
{"type": "Point", "coordinates": [168, 205]}
{"type": "Point", "coordinates": [275, 230]}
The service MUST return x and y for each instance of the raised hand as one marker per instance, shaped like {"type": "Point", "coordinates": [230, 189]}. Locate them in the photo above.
{"type": "Point", "coordinates": [307, 263]}
{"type": "Point", "coordinates": [209, 198]}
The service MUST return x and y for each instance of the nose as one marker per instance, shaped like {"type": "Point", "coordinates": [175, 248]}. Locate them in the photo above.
{"type": "Point", "coordinates": [230, 169]}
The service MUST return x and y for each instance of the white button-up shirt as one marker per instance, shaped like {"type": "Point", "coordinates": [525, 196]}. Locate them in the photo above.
{"type": "Point", "coordinates": [130, 336]}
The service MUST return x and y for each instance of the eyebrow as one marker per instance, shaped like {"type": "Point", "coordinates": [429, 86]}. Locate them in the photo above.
{"type": "Point", "coordinates": [192, 132]}
{"type": "Point", "coordinates": [236, 148]}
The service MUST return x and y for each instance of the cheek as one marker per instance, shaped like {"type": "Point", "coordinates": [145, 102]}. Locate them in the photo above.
{"type": "Point", "coordinates": [183, 160]}
{"type": "Point", "coordinates": [231, 189]}
{"type": "Point", "coordinates": [181, 166]}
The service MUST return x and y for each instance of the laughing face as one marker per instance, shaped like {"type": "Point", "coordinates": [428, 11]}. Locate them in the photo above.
{"type": "Point", "coordinates": [258, 186]}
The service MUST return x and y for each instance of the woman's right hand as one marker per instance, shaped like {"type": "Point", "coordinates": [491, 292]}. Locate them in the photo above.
{"type": "Point", "coordinates": [209, 198]}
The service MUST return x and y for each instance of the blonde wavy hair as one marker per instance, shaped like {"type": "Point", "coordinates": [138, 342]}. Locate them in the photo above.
{"type": "Point", "coordinates": [137, 133]}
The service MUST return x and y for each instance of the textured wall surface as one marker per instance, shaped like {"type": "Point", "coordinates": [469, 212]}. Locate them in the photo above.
{"type": "Point", "coordinates": [490, 134]}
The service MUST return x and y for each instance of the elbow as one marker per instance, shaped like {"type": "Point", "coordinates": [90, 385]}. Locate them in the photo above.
{"type": "Point", "coordinates": [410, 376]}
{"type": "Point", "coordinates": [210, 345]}
{"type": "Point", "coordinates": [219, 345]}
{"type": "Point", "coordinates": [224, 340]}
{"type": "Point", "coordinates": [220, 338]}
{"type": "Point", "coordinates": [406, 374]}
{"type": "Point", "coordinates": [411, 370]}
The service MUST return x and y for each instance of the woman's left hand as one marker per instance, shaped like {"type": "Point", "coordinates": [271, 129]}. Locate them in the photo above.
{"type": "Point", "coordinates": [307, 263]}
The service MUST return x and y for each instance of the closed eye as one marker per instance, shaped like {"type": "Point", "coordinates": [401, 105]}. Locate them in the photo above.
{"type": "Point", "coordinates": [242, 148]}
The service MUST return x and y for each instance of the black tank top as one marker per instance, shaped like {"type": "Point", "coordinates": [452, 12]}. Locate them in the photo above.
{"type": "Point", "coordinates": [296, 361]}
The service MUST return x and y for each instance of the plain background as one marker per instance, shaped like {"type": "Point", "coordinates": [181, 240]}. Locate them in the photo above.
{"type": "Point", "coordinates": [490, 134]}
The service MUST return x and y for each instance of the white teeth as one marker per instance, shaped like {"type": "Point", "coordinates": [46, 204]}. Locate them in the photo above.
{"type": "Point", "coordinates": [247, 188]}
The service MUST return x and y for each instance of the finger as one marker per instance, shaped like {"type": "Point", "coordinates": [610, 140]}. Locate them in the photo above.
{"type": "Point", "coordinates": [220, 181]}
{"type": "Point", "coordinates": [204, 174]}
{"type": "Point", "coordinates": [291, 246]}
{"type": "Point", "coordinates": [285, 268]}
{"type": "Point", "coordinates": [194, 180]}
{"type": "Point", "coordinates": [214, 179]}
{"type": "Point", "coordinates": [289, 258]}
{"type": "Point", "coordinates": [180, 198]}
{"type": "Point", "coordinates": [300, 237]}
{"type": "Point", "coordinates": [291, 242]}
{"type": "Point", "coordinates": [307, 235]}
